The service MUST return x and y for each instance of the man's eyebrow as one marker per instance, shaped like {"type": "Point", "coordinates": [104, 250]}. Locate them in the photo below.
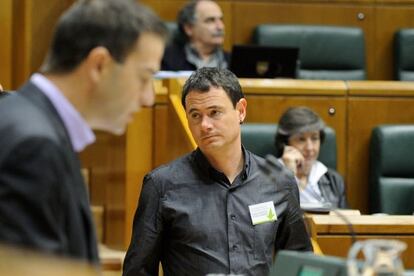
{"type": "Point", "coordinates": [212, 17]}
{"type": "Point", "coordinates": [215, 107]}
{"type": "Point", "coordinates": [192, 110]}
{"type": "Point", "coordinates": [210, 107]}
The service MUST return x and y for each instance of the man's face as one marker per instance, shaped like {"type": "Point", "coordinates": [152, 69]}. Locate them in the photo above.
{"type": "Point", "coordinates": [213, 121]}
{"type": "Point", "coordinates": [208, 28]}
{"type": "Point", "coordinates": [126, 87]}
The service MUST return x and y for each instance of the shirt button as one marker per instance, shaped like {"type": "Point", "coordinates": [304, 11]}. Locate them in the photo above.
{"type": "Point", "coordinates": [234, 247]}
{"type": "Point", "coordinates": [233, 217]}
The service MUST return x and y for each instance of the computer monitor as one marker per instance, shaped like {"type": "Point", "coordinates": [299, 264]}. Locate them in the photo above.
{"type": "Point", "coordinates": [293, 263]}
{"type": "Point", "coordinates": [253, 61]}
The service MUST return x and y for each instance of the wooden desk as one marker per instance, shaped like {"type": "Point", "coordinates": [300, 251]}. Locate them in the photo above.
{"type": "Point", "coordinates": [19, 262]}
{"type": "Point", "coordinates": [333, 236]}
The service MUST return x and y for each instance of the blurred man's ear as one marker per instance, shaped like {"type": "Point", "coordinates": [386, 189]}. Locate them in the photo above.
{"type": "Point", "coordinates": [188, 29]}
{"type": "Point", "coordinates": [96, 61]}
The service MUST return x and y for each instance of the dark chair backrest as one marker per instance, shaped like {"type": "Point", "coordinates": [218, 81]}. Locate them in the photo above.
{"type": "Point", "coordinates": [403, 55]}
{"type": "Point", "coordinates": [325, 52]}
{"type": "Point", "coordinates": [172, 28]}
{"type": "Point", "coordinates": [392, 169]}
{"type": "Point", "coordinates": [259, 138]}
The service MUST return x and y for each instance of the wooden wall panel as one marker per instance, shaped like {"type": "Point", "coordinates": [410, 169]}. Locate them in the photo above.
{"type": "Point", "coordinates": [117, 165]}
{"type": "Point", "coordinates": [180, 141]}
{"type": "Point", "coordinates": [364, 113]}
{"type": "Point", "coordinates": [139, 161]}
{"type": "Point", "coordinates": [6, 60]}
{"type": "Point", "coordinates": [389, 19]}
{"type": "Point", "coordinates": [31, 22]}
{"type": "Point", "coordinates": [105, 160]}
{"type": "Point", "coordinates": [246, 17]}
{"type": "Point", "coordinates": [33, 25]}
{"type": "Point", "coordinates": [21, 45]}
{"type": "Point", "coordinates": [161, 137]}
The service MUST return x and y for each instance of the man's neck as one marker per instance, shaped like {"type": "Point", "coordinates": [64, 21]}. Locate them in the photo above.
{"type": "Point", "coordinates": [204, 51]}
{"type": "Point", "coordinates": [76, 95]}
{"type": "Point", "coordinates": [229, 162]}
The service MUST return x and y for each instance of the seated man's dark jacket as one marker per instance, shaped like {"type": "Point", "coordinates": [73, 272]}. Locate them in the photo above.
{"type": "Point", "coordinates": [332, 189]}
{"type": "Point", "coordinates": [43, 199]}
{"type": "Point", "coordinates": [174, 58]}
{"type": "Point", "coordinates": [195, 222]}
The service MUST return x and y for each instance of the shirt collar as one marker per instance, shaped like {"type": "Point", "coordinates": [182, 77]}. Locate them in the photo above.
{"type": "Point", "coordinates": [204, 165]}
{"type": "Point", "coordinates": [318, 169]}
{"type": "Point", "coordinates": [80, 134]}
{"type": "Point", "coordinates": [216, 58]}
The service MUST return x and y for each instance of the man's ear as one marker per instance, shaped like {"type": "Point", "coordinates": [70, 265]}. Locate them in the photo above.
{"type": "Point", "coordinates": [96, 62]}
{"type": "Point", "coordinates": [188, 29]}
{"type": "Point", "coordinates": [242, 108]}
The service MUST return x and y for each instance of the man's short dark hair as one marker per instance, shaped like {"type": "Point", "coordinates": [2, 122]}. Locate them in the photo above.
{"type": "Point", "coordinates": [113, 24]}
{"type": "Point", "coordinates": [204, 78]}
{"type": "Point", "coordinates": [297, 120]}
{"type": "Point", "coordinates": [186, 16]}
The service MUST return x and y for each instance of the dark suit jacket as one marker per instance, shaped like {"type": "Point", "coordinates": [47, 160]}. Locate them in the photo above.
{"type": "Point", "coordinates": [174, 58]}
{"type": "Point", "coordinates": [43, 198]}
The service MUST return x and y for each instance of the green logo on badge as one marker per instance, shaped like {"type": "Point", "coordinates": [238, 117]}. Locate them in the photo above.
{"type": "Point", "coordinates": [270, 215]}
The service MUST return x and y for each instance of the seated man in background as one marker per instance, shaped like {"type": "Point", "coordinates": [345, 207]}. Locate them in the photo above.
{"type": "Point", "coordinates": [200, 39]}
{"type": "Point", "coordinates": [298, 141]}
{"type": "Point", "coordinates": [213, 211]}
{"type": "Point", "coordinates": [97, 73]}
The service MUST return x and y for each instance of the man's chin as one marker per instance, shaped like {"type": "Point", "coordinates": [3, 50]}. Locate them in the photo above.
{"type": "Point", "coordinates": [115, 130]}
{"type": "Point", "coordinates": [217, 42]}
{"type": "Point", "coordinates": [210, 146]}
{"type": "Point", "coordinates": [118, 131]}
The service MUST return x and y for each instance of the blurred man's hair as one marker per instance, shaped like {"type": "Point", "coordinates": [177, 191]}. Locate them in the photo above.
{"type": "Point", "coordinates": [114, 24]}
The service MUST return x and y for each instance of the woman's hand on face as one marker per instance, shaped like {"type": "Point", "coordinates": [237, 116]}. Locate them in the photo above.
{"type": "Point", "coordinates": [293, 159]}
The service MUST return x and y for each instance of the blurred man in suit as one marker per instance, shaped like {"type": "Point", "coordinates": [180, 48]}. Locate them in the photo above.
{"type": "Point", "coordinates": [200, 39]}
{"type": "Point", "coordinates": [97, 73]}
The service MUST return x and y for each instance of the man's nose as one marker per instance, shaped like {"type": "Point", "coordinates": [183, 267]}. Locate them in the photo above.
{"type": "Point", "coordinates": [219, 24]}
{"type": "Point", "coordinates": [206, 123]}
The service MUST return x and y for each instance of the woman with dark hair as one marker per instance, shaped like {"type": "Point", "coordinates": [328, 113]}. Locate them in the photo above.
{"type": "Point", "coordinates": [298, 139]}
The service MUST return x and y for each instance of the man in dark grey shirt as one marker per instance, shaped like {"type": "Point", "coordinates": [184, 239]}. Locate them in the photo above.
{"type": "Point", "coordinates": [213, 211]}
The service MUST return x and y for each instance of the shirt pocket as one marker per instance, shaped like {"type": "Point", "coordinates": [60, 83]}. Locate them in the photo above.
{"type": "Point", "coordinates": [264, 239]}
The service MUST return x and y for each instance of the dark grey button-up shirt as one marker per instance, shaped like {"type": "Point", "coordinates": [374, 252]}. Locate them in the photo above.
{"type": "Point", "coordinates": [191, 219]}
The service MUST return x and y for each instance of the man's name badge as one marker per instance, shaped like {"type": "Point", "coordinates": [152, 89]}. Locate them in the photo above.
{"type": "Point", "coordinates": [262, 212]}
